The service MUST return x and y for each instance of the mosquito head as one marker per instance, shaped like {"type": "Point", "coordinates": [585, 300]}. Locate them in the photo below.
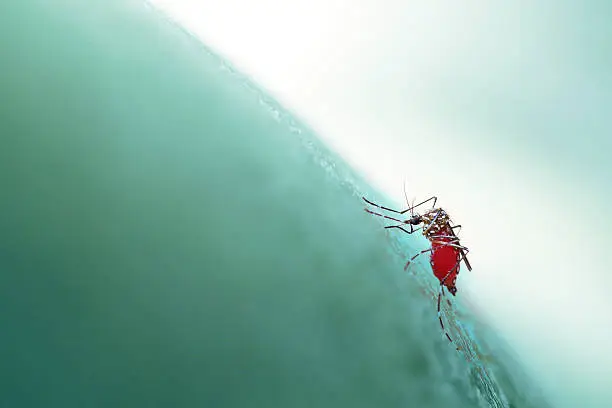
{"type": "Point", "coordinates": [416, 219]}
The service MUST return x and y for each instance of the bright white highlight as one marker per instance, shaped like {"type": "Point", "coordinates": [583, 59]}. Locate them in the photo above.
{"type": "Point", "coordinates": [390, 86]}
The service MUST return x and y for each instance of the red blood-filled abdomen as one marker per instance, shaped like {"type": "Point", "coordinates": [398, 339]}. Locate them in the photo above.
{"type": "Point", "coordinates": [443, 260]}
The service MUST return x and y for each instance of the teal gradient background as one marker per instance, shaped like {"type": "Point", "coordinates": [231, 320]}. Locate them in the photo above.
{"type": "Point", "coordinates": [501, 109]}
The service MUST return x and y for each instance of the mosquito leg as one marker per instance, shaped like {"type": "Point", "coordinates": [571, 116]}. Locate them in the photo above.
{"type": "Point", "coordinates": [453, 238]}
{"type": "Point", "coordinates": [452, 244]}
{"type": "Point", "coordinates": [449, 273]}
{"type": "Point", "coordinates": [402, 228]}
{"type": "Point", "coordinates": [384, 208]}
{"type": "Point", "coordinates": [423, 202]}
{"type": "Point", "coordinates": [384, 216]}
{"type": "Point", "coordinates": [440, 293]}
{"type": "Point", "coordinates": [455, 268]}
{"type": "Point", "coordinates": [412, 229]}
{"type": "Point", "coordinates": [414, 257]}
{"type": "Point", "coordinates": [464, 251]}
{"type": "Point", "coordinates": [404, 211]}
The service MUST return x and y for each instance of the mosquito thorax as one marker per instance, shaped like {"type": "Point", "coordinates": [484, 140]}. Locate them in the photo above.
{"type": "Point", "coordinates": [437, 216]}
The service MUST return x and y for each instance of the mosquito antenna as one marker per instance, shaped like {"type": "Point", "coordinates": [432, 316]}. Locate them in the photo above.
{"type": "Point", "coordinates": [406, 196]}
{"type": "Point", "coordinates": [409, 204]}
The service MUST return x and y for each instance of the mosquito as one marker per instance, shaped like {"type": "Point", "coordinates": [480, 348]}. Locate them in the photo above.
{"type": "Point", "coordinates": [445, 252]}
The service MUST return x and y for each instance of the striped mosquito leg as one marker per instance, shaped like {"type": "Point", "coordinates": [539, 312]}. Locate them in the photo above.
{"type": "Point", "coordinates": [399, 227]}
{"type": "Point", "coordinates": [455, 268]}
{"type": "Point", "coordinates": [412, 230]}
{"type": "Point", "coordinates": [384, 208]}
{"type": "Point", "coordinates": [440, 293]}
{"type": "Point", "coordinates": [384, 216]}
{"type": "Point", "coordinates": [453, 238]}
{"type": "Point", "coordinates": [423, 202]}
{"type": "Point", "coordinates": [449, 273]}
{"type": "Point", "coordinates": [433, 205]}
{"type": "Point", "coordinates": [463, 257]}
{"type": "Point", "coordinates": [467, 263]}
{"type": "Point", "coordinates": [455, 246]}
{"type": "Point", "coordinates": [403, 211]}
{"type": "Point", "coordinates": [463, 250]}
{"type": "Point", "coordinates": [414, 257]}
